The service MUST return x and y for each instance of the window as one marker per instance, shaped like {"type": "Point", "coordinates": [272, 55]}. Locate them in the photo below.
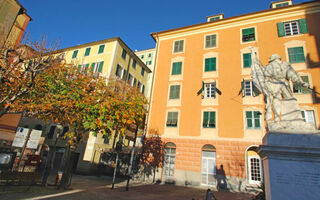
{"type": "Point", "coordinates": [282, 4]}
{"type": "Point", "coordinates": [130, 79]}
{"type": "Point", "coordinates": [169, 159]}
{"type": "Point", "coordinates": [176, 68]}
{"type": "Point", "coordinates": [214, 19]}
{"type": "Point", "coordinates": [172, 119]}
{"type": "Point", "coordinates": [96, 67]}
{"type": "Point", "coordinates": [208, 165]}
{"type": "Point", "coordinates": [142, 89]}
{"type": "Point", "coordinates": [296, 55]}
{"type": "Point", "coordinates": [174, 92]}
{"type": "Point", "coordinates": [101, 48]}
{"type": "Point", "coordinates": [248, 34]}
{"type": "Point", "coordinates": [134, 82]}
{"type": "Point", "coordinates": [75, 53]}
{"type": "Point", "coordinates": [119, 71]}
{"type": "Point", "coordinates": [248, 88]}
{"type": "Point", "coordinates": [106, 139]}
{"type": "Point", "coordinates": [292, 27]}
{"type": "Point", "coordinates": [211, 41]}
{"type": "Point", "coordinates": [124, 74]}
{"type": "Point", "coordinates": [148, 62]}
{"type": "Point", "coordinates": [308, 116]}
{"type": "Point", "coordinates": [178, 46]}
{"type": "Point", "coordinates": [124, 54]}
{"type": "Point", "coordinates": [246, 60]}
{"type": "Point", "coordinates": [87, 52]}
{"type": "Point", "coordinates": [253, 119]}
{"type": "Point", "coordinates": [297, 89]}
{"type": "Point", "coordinates": [142, 56]}
{"type": "Point", "coordinates": [255, 172]}
{"type": "Point", "coordinates": [149, 55]}
{"type": "Point", "coordinates": [134, 64]}
{"type": "Point", "coordinates": [139, 85]}
{"type": "Point", "coordinates": [209, 119]}
{"type": "Point", "coordinates": [142, 71]}
{"type": "Point", "coordinates": [210, 90]}
{"type": "Point", "coordinates": [83, 68]}
{"type": "Point", "coordinates": [210, 64]}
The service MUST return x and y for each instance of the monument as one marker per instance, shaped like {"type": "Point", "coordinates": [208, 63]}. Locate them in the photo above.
{"type": "Point", "coordinates": [290, 150]}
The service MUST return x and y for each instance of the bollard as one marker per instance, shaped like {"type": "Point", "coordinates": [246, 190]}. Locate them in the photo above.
{"type": "Point", "coordinates": [209, 195]}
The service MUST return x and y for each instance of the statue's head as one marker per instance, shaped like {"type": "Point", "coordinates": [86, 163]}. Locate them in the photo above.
{"type": "Point", "coordinates": [274, 57]}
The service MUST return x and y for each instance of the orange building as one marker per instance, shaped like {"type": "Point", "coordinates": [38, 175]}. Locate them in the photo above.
{"type": "Point", "coordinates": [203, 103]}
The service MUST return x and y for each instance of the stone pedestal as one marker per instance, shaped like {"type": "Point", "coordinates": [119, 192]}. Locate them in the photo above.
{"type": "Point", "coordinates": [291, 163]}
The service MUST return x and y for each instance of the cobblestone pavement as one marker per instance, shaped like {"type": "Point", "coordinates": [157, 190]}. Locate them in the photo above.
{"type": "Point", "coordinates": [96, 188]}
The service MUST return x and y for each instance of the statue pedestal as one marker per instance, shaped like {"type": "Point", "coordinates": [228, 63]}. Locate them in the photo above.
{"type": "Point", "coordinates": [291, 163]}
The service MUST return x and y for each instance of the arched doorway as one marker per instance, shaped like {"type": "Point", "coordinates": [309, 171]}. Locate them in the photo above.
{"type": "Point", "coordinates": [208, 165]}
{"type": "Point", "coordinates": [169, 159]}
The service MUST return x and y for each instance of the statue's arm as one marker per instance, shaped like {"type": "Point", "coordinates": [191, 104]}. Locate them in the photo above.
{"type": "Point", "coordinates": [294, 76]}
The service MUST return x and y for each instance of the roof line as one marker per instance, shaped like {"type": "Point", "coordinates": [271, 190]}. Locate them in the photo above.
{"type": "Point", "coordinates": [228, 18]}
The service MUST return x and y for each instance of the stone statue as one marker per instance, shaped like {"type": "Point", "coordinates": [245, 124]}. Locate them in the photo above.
{"type": "Point", "coordinates": [273, 81]}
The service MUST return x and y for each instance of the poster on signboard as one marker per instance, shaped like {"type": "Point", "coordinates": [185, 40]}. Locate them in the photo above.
{"type": "Point", "coordinates": [20, 137]}
{"type": "Point", "coordinates": [34, 139]}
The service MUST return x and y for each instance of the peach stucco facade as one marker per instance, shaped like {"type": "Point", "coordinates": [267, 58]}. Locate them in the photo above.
{"type": "Point", "coordinates": [230, 137]}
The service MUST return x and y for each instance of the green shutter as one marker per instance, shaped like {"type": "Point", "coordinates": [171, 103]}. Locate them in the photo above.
{"type": "Point", "coordinates": [249, 119]}
{"type": "Point", "coordinates": [306, 80]}
{"type": "Point", "coordinates": [281, 31]}
{"type": "Point", "coordinates": [210, 64]}
{"type": "Point", "coordinates": [92, 67]}
{"type": "Point", "coordinates": [303, 115]}
{"type": "Point", "coordinates": [247, 60]}
{"type": "Point", "coordinates": [101, 48]}
{"type": "Point", "coordinates": [296, 55]}
{"type": "Point", "coordinates": [176, 68]}
{"type": "Point", "coordinates": [205, 119]}
{"type": "Point", "coordinates": [87, 51]}
{"type": "Point", "coordinates": [100, 66]}
{"type": "Point", "coordinates": [212, 119]}
{"type": "Point", "coordinates": [177, 91]}
{"type": "Point", "coordinates": [117, 70]}
{"type": "Point", "coordinates": [172, 92]}
{"type": "Point", "coordinates": [303, 26]}
{"type": "Point", "coordinates": [75, 53]}
{"type": "Point", "coordinates": [256, 119]}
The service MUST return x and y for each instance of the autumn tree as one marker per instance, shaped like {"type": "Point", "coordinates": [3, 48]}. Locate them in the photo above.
{"type": "Point", "coordinates": [19, 68]}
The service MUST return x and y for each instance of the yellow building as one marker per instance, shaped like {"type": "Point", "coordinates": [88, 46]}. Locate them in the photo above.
{"type": "Point", "coordinates": [13, 22]}
{"type": "Point", "coordinates": [211, 135]}
{"type": "Point", "coordinates": [113, 59]}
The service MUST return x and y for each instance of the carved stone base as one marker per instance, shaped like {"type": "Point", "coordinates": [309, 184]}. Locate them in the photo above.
{"type": "Point", "coordinates": [291, 163]}
{"type": "Point", "coordinates": [295, 125]}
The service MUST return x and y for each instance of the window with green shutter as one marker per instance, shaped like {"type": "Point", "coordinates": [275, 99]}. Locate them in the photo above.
{"type": "Point", "coordinates": [176, 68]}
{"type": "Point", "coordinates": [209, 119]}
{"type": "Point", "coordinates": [118, 71]}
{"type": "Point", "coordinates": [210, 64]}
{"type": "Point", "coordinates": [101, 48]}
{"type": "Point", "coordinates": [75, 53]}
{"type": "Point", "coordinates": [92, 67]}
{"type": "Point", "coordinates": [211, 41]}
{"type": "Point", "coordinates": [134, 64]}
{"type": "Point", "coordinates": [253, 119]}
{"type": "Point", "coordinates": [87, 52]}
{"type": "Point", "coordinates": [247, 60]}
{"type": "Point", "coordinates": [124, 54]}
{"type": "Point", "coordinates": [296, 55]}
{"type": "Point", "coordinates": [298, 89]}
{"type": "Point", "coordinates": [174, 92]}
{"type": "Point", "coordinates": [282, 4]}
{"type": "Point", "coordinates": [142, 71]}
{"type": "Point", "coordinates": [100, 66]}
{"type": "Point", "coordinates": [248, 34]}
{"type": "Point", "coordinates": [292, 27]}
{"type": "Point", "coordinates": [172, 119]}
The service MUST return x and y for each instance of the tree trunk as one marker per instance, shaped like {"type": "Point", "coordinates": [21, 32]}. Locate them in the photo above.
{"type": "Point", "coordinates": [115, 171]}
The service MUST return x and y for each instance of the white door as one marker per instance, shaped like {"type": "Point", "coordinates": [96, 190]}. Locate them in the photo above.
{"type": "Point", "coordinates": [208, 170]}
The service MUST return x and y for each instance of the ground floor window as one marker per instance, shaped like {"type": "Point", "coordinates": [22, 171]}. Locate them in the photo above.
{"type": "Point", "coordinates": [169, 159]}
{"type": "Point", "coordinates": [254, 167]}
{"type": "Point", "coordinates": [208, 165]}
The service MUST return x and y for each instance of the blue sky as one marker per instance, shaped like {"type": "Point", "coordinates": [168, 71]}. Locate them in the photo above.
{"type": "Point", "coordinates": [82, 21]}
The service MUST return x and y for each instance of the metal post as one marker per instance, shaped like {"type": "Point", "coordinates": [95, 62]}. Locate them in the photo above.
{"type": "Point", "coordinates": [114, 171]}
